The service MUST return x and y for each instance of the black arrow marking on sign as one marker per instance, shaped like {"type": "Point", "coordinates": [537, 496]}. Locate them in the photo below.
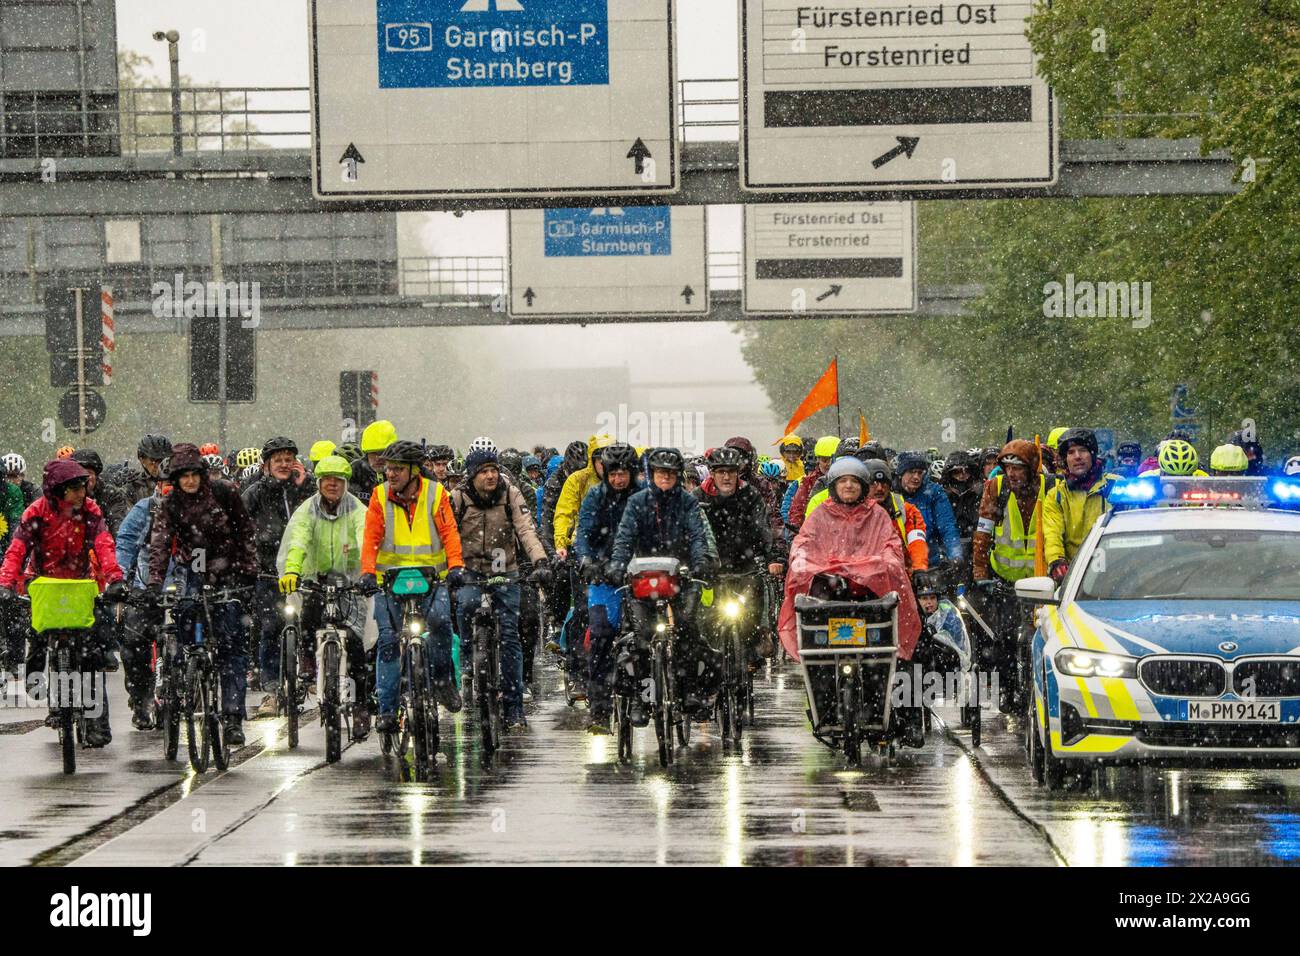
{"type": "Point", "coordinates": [906, 144]}
{"type": "Point", "coordinates": [833, 290]}
{"type": "Point", "coordinates": [529, 295]}
{"type": "Point", "coordinates": [352, 154]}
{"type": "Point", "coordinates": [639, 153]}
{"type": "Point", "coordinates": [687, 293]}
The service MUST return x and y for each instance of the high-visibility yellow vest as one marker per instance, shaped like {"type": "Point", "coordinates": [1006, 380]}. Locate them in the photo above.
{"type": "Point", "coordinates": [1013, 544]}
{"type": "Point", "coordinates": [416, 545]}
{"type": "Point", "coordinates": [900, 510]}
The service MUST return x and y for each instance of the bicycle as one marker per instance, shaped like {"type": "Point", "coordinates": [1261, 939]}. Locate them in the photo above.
{"type": "Point", "coordinates": [63, 612]}
{"type": "Point", "coordinates": [488, 690]}
{"type": "Point", "coordinates": [736, 687]}
{"type": "Point", "coordinates": [655, 582]}
{"type": "Point", "coordinates": [189, 683]}
{"type": "Point", "coordinates": [286, 689]}
{"type": "Point", "coordinates": [417, 711]}
{"type": "Point", "coordinates": [337, 693]}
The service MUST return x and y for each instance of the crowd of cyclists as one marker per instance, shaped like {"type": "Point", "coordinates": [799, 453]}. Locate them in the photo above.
{"type": "Point", "coordinates": [549, 534]}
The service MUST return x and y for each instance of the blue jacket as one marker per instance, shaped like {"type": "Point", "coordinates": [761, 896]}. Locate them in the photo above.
{"type": "Point", "coordinates": [551, 466]}
{"type": "Point", "coordinates": [598, 519]}
{"type": "Point", "coordinates": [665, 523]}
{"type": "Point", "coordinates": [940, 522]}
{"type": "Point", "coordinates": [133, 543]}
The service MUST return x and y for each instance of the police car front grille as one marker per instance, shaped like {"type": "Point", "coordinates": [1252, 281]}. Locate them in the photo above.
{"type": "Point", "coordinates": [1237, 736]}
{"type": "Point", "coordinates": [1267, 678]}
{"type": "Point", "coordinates": [1183, 678]}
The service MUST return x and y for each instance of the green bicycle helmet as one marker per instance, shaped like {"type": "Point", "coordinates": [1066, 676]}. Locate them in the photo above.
{"type": "Point", "coordinates": [1177, 457]}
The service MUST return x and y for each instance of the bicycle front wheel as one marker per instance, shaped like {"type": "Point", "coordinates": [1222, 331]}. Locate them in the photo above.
{"type": "Point", "coordinates": [198, 709]}
{"type": "Point", "coordinates": [289, 681]}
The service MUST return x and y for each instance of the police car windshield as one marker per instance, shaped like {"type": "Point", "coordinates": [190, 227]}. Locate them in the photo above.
{"type": "Point", "coordinates": [1194, 565]}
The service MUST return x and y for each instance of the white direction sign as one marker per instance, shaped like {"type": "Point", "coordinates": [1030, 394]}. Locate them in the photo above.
{"type": "Point", "coordinates": [830, 258]}
{"type": "Point", "coordinates": [630, 261]}
{"type": "Point", "coordinates": [942, 95]}
{"type": "Point", "coordinates": [447, 99]}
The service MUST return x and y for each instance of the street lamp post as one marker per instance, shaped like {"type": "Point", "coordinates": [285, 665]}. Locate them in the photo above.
{"type": "Point", "coordinates": [173, 39]}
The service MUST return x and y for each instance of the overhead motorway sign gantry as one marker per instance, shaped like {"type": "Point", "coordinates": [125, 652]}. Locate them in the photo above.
{"type": "Point", "coordinates": [463, 99]}
{"type": "Point", "coordinates": [631, 261]}
{"type": "Point", "coordinates": [917, 96]}
{"type": "Point", "coordinates": [830, 259]}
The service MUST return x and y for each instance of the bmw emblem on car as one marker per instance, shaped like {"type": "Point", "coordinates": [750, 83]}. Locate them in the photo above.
{"type": "Point", "coordinates": [1228, 647]}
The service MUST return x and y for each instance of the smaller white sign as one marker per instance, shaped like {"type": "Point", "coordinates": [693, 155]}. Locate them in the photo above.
{"type": "Point", "coordinates": [830, 258]}
{"type": "Point", "coordinates": [614, 261]}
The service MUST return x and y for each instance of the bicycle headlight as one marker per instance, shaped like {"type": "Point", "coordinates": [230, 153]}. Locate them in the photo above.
{"type": "Point", "coordinates": [1079, 663]}
{"type": "Point", "coordinates": [659, 628]}
{"type": "Point", "coordinates": [415, 627]}
{"type": "Point", "coordinates": [731, 608]}
{"type": "Point", "coordinates": [847, 670]}
{"type": "Point", "coordinates": [288, 610]}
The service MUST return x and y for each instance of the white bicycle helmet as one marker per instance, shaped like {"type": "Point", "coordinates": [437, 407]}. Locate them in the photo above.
{"type": "Point", "coordinates": [249, 473]}
{"type": "Point", "coordinates": [483, 443]}
{"type": "Point", "coordinates": [1292, 466]}
{"type": "Point", "coordinates": [14, 463]}
{"type": "Point", "coordinates": [215, 463]}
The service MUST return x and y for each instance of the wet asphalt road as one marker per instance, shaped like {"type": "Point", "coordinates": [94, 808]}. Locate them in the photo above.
{"type": "Point", "coordinates": [558, 795]}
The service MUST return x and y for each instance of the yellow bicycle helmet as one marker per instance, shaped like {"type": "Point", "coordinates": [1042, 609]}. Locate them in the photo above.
{"type": "Point", "coordinates": [1229, 459]}
{"type": "Point", "coordinates": [321, 449]}
{"type": "Point", "coordinates": [826, 446]}
{"type": "Point", "coordinates": [248, 457]}
{"type": "Point", "coordinates": [1056, 434]}
{"type": "Point", "coordinates": [378, 436]}
{"type": "Point", "coordinates": [1177, 457]}
{"type": "Point", "coordinates": [333, 466]}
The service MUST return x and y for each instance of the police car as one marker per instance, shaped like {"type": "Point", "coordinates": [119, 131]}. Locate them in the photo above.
{"type": "Point", "coordinates": [1175, 637]}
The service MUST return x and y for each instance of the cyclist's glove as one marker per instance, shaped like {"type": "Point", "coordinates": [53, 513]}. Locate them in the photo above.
{"type": "Point", "coordinates": [541, 575]}
{"type": "Point", "coordinates": [369, 585]}
{"type": "Point", "coordinates": [288, 583]}
{"type": "Point", "coordinates": [456, 578]}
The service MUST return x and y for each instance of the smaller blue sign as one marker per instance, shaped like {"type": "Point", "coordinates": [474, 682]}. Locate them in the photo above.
{"type": "Point", "coordinates": [609, 231]}
{"type": "Point", "coordinates": [431, 44]}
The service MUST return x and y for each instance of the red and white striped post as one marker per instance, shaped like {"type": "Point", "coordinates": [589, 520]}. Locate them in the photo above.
{"type": "Point", "coordinates": [107, 333]}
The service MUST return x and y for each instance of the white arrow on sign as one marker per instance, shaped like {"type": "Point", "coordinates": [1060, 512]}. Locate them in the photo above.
{"type": "Point", "coordinates": [482, 6]}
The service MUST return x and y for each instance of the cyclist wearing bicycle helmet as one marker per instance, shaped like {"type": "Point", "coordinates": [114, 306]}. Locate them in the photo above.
{"type": "Point", "coordinates": [495, 524]}
{"type": "Point", "coordinates": [204, 527]}
{"type": "Point", "coordinates": [1292, 466]}
{"type": "Point", "coordinates": [1178, 458]}
{"type": "Point", "coordinates": [742, 529]}
{"type": "Point", "coordinates": [57, 537]}
{"type": "Point", "coordinates": [1128, 459]}
{"type": "Point", "coordinates": [323, 537]}
{"type": "Point", "coordinates": [602, 510]}
{"type": "Point", "coordinates": [438, 458]}
{"type": "Point", "coordinates": [791, 449]}
{"type": "Point", "coordinates": [1072, 507]}
{"type": "Point", "coordinates": [663, 520]}
{"type": "Point", "coordinates": [135, 483]}
{"type": "Point", "coordinates": [271, 500]}
{"type": "Point", "coordinates": [1228, 460]}
{"type": "Point", "coordinates": [409, 523]}
{"type": "Point", "coordinates": [15, 469]}
{"type": "Point", "coordinates": [795, 506]}
{"type": "Point", "coordinates": [111, 500]}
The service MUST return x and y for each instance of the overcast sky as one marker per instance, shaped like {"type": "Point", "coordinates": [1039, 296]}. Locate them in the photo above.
{"type": "Point", "coordinates": [264, 43]}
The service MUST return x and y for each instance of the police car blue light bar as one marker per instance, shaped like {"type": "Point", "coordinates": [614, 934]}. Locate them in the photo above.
{"type": "Point", "coordinates": [1157, 491]}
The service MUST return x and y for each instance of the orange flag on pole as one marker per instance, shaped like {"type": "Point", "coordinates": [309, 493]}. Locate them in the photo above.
{"type": "Point", "coordinates": [1040, 543]}
{"type": "Point", "coordinates": [823, 395]}
{"type": "Point", "coordinates": [864, 434]}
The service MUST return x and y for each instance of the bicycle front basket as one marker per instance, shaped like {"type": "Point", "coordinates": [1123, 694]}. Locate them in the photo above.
{"type": "Point", "coordinates": [410, 581]}
{"type": "Point", "coordinates": [62, 604]}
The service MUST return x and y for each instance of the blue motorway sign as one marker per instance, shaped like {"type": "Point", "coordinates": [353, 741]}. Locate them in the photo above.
{"type": "Point", "coordinates": [609, 231]}
{"type": "Point", "coordinates": [453, 44]}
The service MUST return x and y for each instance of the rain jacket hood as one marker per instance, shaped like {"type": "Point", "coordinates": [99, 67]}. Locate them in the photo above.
{"type": "Point", "coordinates": [860, 544]}
{"type": "Point", "coordinates": [57, 472]}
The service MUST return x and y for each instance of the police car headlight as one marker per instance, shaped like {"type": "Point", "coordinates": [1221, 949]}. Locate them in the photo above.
{"type": "Point", "coordinates": [1078, 663]}
{"type": "Point", "coordinates": [731, 609]}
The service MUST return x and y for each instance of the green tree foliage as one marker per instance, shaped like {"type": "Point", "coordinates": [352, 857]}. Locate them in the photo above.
{"type": "Point", "coordinates": [1222, 269]}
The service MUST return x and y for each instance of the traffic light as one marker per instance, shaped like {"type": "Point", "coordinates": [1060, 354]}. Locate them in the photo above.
{"type": "Point", "coordinates": [205, 360]}
{"type": "Point", "coordinates": [61, 336]}
{"type": "Point", "coordinates": [359, 397]}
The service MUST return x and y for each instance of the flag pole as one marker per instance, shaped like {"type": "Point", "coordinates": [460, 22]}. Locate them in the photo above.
{"type": "Point", "coordinates": [839, 428]}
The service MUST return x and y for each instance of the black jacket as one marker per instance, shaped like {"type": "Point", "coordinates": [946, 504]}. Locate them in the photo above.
{"type": "Point", "coordinates": [665, 524]}
{"type": "Point", "coordinates": [270, 503]}
{"type": "Point", "coordinates": [575, 459]}
{"type": "Point", "coordinates": [741, 527]}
